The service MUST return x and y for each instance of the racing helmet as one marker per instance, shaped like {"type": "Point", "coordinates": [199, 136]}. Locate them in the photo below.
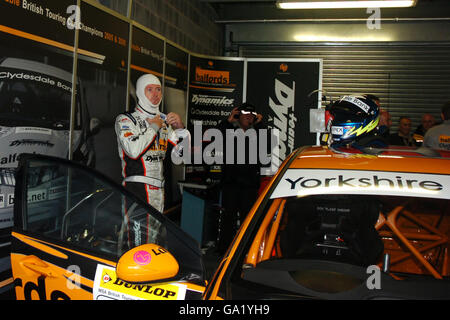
{"type": "Point", "coordinates": [350, 118]}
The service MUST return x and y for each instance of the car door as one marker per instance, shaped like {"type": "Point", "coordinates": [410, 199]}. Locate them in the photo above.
{"type": "Point", "coordinates": [71, 227]}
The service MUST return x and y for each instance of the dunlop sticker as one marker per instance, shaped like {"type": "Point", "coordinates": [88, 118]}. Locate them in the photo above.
{"type": "Point", "coordinates": [302, 182]}
{"type": "Point", "coordinates": [108, 287]}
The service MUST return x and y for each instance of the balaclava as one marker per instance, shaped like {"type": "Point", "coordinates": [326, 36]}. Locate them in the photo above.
{"type": "Point", "coordinates": [143, 102]}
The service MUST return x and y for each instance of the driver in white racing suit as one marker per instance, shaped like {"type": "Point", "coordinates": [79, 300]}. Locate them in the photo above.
{"type": "Point", "coordinates": [143, 138]}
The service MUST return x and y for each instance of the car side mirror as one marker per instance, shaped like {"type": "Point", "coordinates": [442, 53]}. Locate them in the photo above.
{"type": "Point", "coordinates": [147, 263]}
{"type": "Point", "coordinates": [94, 126]}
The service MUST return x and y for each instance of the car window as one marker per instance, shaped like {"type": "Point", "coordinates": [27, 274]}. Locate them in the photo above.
{"type": "Point", "coordinates": [45, 103]}
{"type": "Point", "coordinates": [69, 204]}
{"type": "Point", "coordinates": [338, 237]}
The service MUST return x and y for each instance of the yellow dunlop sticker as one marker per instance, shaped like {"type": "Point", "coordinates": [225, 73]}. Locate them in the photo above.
{"type": "Point", "coordinates": [108, 287]}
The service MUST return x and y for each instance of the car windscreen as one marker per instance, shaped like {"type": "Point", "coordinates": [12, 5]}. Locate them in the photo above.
{"type": "Point", "coordinates": [34, 99]}
{"type": "Point", "coordinates": [351, 246]}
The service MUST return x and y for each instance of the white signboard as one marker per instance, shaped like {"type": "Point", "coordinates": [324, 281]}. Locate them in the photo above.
{"type": "Point", "coordinates": [302, 182]}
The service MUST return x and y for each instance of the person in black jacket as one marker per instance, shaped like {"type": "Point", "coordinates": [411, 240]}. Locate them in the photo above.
{"type": "Point", "coordinates": [403, 137]}
{"type": "Point", "coordinates": [240, 174]}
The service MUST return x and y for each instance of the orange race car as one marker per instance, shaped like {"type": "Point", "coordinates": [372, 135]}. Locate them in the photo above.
{"type": "Point", "coordinates": [345, 224]}
{"type": "Point", "coordinates": [332, 224]}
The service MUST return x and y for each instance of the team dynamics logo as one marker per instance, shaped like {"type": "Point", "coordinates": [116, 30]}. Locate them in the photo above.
{"type": "Point", "coordinates": [284, 121]}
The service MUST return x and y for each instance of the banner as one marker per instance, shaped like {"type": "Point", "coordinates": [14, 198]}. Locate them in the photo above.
{"type": "Point", "coordinates": [215, 88]}
{"type": "Point", "coordinates": [176, 68]}
{"type": "Point", "coordinates": [175, 100]}
{"type": "Point", "coordinates": [45, 22]}
{"type": "Point", "coordinates": [103, 37]}
{"type": "Point", "coordinates": [102, 69]}
{"type": "Point", "coordinates": [281, 91]}
{"type": "Point", "coordinates": [147, 54]}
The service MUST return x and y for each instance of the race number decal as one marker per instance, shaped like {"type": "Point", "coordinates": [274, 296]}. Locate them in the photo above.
{"type": "Point", "coordinates": [108, 287]}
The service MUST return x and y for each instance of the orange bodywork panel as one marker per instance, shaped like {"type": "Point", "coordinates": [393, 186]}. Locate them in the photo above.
{"type": "Point", "coordinates": [39, 280]}
{"type": "Point", "coordinates": [321, 157]}
{"type": "Point", "coordinates": [36, 279]}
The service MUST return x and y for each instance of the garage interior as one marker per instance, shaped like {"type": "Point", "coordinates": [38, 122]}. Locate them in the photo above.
{"type": "Point", "coordinates": [401, 55]}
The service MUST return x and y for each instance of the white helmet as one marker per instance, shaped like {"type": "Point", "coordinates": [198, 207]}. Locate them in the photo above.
{"type": "Point", "coordinates": [143, 101]}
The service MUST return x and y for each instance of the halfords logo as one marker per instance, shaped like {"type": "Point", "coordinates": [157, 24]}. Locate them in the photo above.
{"type": "Point", "coordinates": [222, 101]}
{"type": "Point", "coordinates": [212, 76]}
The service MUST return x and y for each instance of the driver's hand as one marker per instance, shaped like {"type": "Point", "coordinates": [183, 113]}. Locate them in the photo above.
{"type": "Point", "coordinates": [174, 120]}
{"type": "Point", "coordinates": [232, 117]}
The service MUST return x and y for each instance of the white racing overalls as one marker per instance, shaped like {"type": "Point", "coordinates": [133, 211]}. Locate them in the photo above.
{"type": "Point", "coordinates": [142, 149]}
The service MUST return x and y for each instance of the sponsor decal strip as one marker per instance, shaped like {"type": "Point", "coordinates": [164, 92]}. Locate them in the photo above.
{"type": "Point", "coordinates": [6, 282]}
{"type": "Point", "coordinates": [363, 106]}
{"type": "Point", "coordinates": [52, 43]}
{"type": "Point", "coordinates": [34, 243]}
{"type": "Point", "coordinates": [212, 88]}
{"type": "Point", "coordinates": [135, 67]}
{"type": "Point", "coordinates": [302, 182]}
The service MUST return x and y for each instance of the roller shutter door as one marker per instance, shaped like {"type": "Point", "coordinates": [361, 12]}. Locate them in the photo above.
{"type": "Point", "coordinates": [410, 79]}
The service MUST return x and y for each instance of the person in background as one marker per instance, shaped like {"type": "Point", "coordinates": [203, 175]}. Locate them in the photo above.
{"type": "Point", "coordinates": [240, 181]}
{"type": "Point", "coordinates": [428, 121]}
{"type": "Point", "coordinates": [403, 137]}
{"type": "Point", "coordinates": [438, 137]}
{"type": "Point", "coordinates": [385, 123]}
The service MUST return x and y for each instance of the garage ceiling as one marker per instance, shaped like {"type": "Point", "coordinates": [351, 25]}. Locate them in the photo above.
{"type": "Point", "coordinates": [242, 11]}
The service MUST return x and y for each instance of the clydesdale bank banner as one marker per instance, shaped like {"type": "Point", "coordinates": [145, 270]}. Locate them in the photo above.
{"type": "Point", "coordinates": [215, 88]}
{"type": "Point", "coordinates": [281, 90]}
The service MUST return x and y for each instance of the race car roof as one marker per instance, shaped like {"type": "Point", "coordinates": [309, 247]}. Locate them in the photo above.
{"type": "Point", "coordinates": [394, 159]}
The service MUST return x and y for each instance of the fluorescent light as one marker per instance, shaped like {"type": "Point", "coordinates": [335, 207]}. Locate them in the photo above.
{"type": "Point", "coordinates": [337, 4]}
{"type": "Point", "coordinates": [332, 38]}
